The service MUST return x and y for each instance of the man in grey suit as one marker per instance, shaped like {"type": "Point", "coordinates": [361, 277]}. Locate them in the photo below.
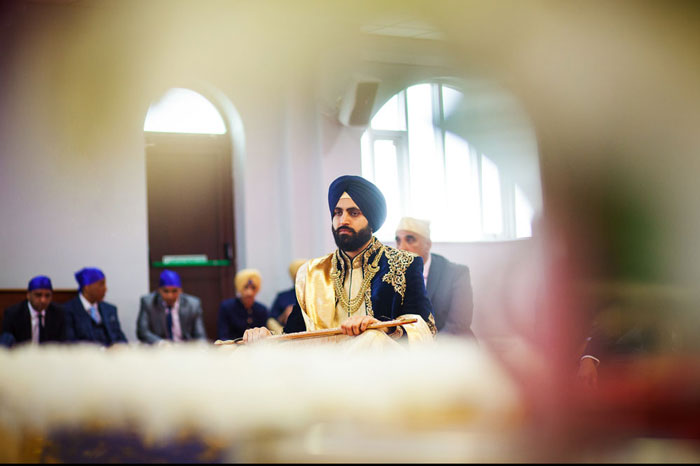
{"type": "Point", "coordinates": [448, 284]}
{"type": "Point", "coordinates": [169, 315]}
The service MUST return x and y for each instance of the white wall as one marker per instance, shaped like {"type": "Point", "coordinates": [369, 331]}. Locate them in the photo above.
{"type": "Point", "coordinates": [72, 184]}
{"type": "Point", "coordinates": [76, 90]}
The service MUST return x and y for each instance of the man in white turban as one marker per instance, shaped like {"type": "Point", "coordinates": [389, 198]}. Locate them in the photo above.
{"type": "Point", "coordinates": [448, 284]}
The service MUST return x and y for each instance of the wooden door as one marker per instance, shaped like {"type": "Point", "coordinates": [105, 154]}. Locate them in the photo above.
{"type": "Point", "coordinates": [190, 212]}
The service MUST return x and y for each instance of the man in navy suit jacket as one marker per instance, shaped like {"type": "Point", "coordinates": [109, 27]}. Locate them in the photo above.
{"type": "Point", "coordinates": [285, 300]}
{"type": "Point", "coordinates": [36, 319]}
{"type": "Point", "coordinates": [88, 317]}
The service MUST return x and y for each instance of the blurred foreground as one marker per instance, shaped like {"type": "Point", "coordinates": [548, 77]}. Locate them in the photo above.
{"type": "Point", "coordinates": [356, 401]}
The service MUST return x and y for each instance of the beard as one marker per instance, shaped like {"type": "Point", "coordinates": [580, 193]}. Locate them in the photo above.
{"type": "Point", "coordinates": [353, 241]}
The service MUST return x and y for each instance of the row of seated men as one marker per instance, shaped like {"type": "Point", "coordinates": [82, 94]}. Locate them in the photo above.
{"type": "Point", "coordinates": [170, 315]}
{"type": "Point", "coordinates": [165, 315]}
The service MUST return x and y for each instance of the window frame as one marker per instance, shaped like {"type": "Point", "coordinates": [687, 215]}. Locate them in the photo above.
{"type": "Point", "coordinates": [400, 138]}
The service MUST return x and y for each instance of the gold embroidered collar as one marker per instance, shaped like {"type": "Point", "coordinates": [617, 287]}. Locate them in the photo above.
{"type": "Point", "coordinates": [341, 265]}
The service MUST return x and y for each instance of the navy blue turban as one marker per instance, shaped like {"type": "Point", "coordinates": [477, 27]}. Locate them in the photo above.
{"type": "Point", "coordinates": [88, 275]}
{"type": "Point", "coordinates": [170, 278]}
{"type": "Point", "coordinates": [366, 195]}
{"type": "Point", "coordinates": [40, 282]}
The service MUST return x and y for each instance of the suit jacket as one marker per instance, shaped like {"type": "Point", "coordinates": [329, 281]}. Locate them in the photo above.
{"type": "Point", "coordinates": [235, 319]}
{"type": "Point", "coordinates": [152, 322]}
{"type": "Point", "coordinates": [450, 290]}
{"type": "Point", "coordinates": [633, 338]}
{"type": "Point", "coordinates": [396, 289]}
{"type": "Point", "coordinates": [17, 324]}
{"type": "Point", "coordinates": [282, 300]}
{"type": "Point", "coordinates": [79, 323]}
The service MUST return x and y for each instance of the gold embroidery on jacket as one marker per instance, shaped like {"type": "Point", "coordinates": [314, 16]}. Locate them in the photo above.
{"type": "Point", "coordinates": [399, 261]}
{"type": "Point", "coordinates": [431, 324]}
{"type": "Point", "coordinates": [339, 265]}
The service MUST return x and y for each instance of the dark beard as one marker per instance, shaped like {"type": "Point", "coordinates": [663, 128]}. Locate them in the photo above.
{"type": "Point", "coordinates": [354, 241]}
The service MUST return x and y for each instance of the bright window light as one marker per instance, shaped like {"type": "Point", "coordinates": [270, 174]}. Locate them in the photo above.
{"type": "Point", "coordinates": [391, 115]}
{"type": "Point", "coordinates": [425, 167]}
{"type": "Point", "coordinates": [491, 192]}
{"type": "Point", "coordinates": [523, 214]}
{"type": "Point", "coordinates": [460, 219]}
{"type": "Point", "coordinates": [184, 111]}
{"type": "Point", "coordinates": [387, 181]}
{"type": "Point", "coordinates": [431, 173]}
{"type": "Point", "coordinates": [450, 100]}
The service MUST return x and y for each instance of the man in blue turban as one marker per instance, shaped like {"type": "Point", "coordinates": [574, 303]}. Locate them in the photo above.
{"type": "Point", "coordinates": [88, 317]}
{"type": "Point", "coordinates": [169, 315]}
{"type": "Point", "coordinates": [363, 281]}
{"type": "Point", "coordinates": [35, 320]}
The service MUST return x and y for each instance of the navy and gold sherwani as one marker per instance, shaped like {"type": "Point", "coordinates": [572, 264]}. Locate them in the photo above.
{"type": "Point", "coordinates": [381, 281]}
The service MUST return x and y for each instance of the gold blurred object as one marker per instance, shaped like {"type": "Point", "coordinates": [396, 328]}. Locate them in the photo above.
{"type": "Point", "coordinates": [126, 406]}
{"type": "Point", "coordinates": [24, 446]}
{"type": "Point", "coordinates": [274, 326]}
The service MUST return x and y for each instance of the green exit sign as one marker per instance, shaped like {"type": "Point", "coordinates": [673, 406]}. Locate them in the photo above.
{"type": "Point", "coordinates": [192, 260]}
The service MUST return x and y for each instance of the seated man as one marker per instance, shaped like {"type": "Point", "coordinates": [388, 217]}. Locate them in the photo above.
{"type": "Point", "coordinates": [363, 281]}
{"type": "Point", "coordinates": [448, 284]}
{"type": "Point", "coordinates": [622, 332]}
{"type": "Point", "coordinates": [35, 320]}
{"type": "Point", "coordinates": [243, 312]}
{"type": "Point", "coordinates": [88, 317]}
{"type": "Point", "coordinates": [168, 314]}
{"type": "Point", "coordinates": [285, 300]}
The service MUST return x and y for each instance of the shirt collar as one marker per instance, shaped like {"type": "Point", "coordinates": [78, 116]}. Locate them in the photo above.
{"type": "Point", "coordinates": [34, 311]}
{"type": "Point", "coordinates": [86, 303]}
{"type": "Point", "coordinates": [426, 266]}
{"type": "Point", "coordinates": [175, 307]}
{"type": "Point", "coordinates": [362, 257]}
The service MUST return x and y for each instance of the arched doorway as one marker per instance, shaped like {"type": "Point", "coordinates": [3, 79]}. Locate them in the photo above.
{"type": "Point", "coordinates": [190, 198]}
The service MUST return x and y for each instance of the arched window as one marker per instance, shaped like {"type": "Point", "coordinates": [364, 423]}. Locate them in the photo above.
{"type": "Point", "coordinates": [426, 170]}
{"type": "Point", "coordinates": [184, 111]}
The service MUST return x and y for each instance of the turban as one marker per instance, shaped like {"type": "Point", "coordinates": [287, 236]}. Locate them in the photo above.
{"type": "Point", "coordinates": [88, 275]}
{"type": "Point", "coordinates": [244, 276]}
{"type": "Point", "coordinates": [366, 195]}
{"type": "Point", "coordinates": [41, 282]}
{"type": "Point", "coordinates": [294, 267]}
{"type": "Point", "coordinates": [170, 278]}
{"type": "Point", "coordinates": [415, 225]}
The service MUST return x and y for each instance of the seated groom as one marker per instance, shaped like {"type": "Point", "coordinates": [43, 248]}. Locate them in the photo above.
{"type": "Point", "coordinates": [168, 314]}
{"type": "Point", "coordinates": [363, 281]}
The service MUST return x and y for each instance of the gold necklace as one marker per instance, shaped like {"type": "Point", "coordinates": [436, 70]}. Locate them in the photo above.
{"type": "Point", "coordinates": [370, 270]}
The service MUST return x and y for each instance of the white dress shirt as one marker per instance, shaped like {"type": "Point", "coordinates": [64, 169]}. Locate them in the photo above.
{"type": "Point", "coordinates": [36, 315]}
{"type": "Point", "coordinates": [426, 270]}
{"type": "Point", "coordinates": [87, 306]}
{"type": "Point", "coordinates": [175, 311]}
